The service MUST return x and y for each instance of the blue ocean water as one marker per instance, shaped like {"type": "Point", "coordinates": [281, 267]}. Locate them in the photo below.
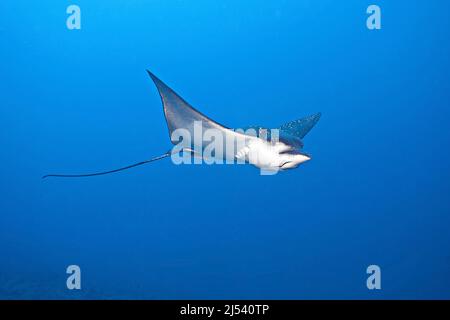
{"type": "Point", "coordinates": [376, 191]}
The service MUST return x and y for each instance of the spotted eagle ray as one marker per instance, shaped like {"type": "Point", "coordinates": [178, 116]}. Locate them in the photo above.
{"type": "Point", "coordinates": [256, 149]}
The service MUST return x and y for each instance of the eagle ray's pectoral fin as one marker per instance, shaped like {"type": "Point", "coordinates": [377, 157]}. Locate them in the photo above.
{"type": "Point", "coordinates": [299, 128]}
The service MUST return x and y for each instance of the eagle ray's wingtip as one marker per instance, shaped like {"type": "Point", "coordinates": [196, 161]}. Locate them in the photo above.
{"type": "Point", "coordinates": [151, 75]}
{"type": "Point", "coordinates": [158, 83]}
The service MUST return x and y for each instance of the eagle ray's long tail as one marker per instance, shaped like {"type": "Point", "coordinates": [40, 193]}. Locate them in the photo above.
{"type": "Point", "coordinates": [165, 155]}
